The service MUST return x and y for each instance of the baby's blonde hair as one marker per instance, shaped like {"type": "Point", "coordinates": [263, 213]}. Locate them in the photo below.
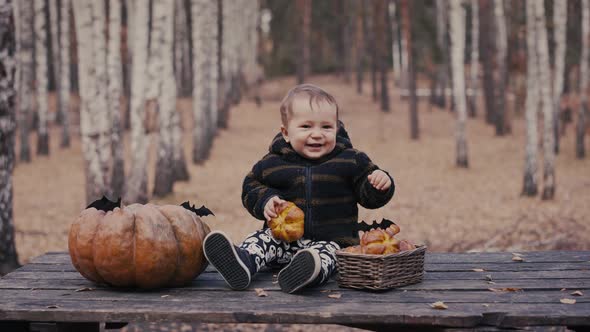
{"type": "Point", "coordinates": [315, 94]}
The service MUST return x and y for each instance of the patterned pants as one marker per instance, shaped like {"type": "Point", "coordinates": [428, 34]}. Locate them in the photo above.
{"type": "Point", "coordinates": [270, 252]}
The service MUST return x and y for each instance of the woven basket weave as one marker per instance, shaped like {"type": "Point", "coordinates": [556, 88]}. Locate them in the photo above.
{"type": "Point", "coordinates": [378, 272]}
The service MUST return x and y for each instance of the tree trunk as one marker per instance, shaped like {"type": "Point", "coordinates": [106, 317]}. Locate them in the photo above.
{"type": "Point", "coordinates": [304, 12]}
{"type": "Point", "coordinates": [500, 72]}
{"type": "Point", "coordinates": [26, 75]}
{"type": "Point", "coordinates": [488, 50]}
{"type": "Point", "coordinates": [213, 88]}
{"type": "Point", "coordinates": [41, 77]}
{"type": "Point", "coordinates": [545, 92]}
{"type": "Point", "coordinates": [8, 255]}
{"type": "Point", "coordinates": [474, 59]}
{"type": "Point", "coordinates": [381, 18]}
{"type": "Point", "coordinates": [136, 186]}
{"type": "Point", "coordinates": [162, 74]}
{"type": "Point", "coordinates": [457, 34]}
{"type": "Point", "coordinates": [438, 95]}
{"type": "Point", "coordinates": [560, 25]}
{"type": "Point", "coordinates": [583, 110]}
{"type": "Point", "coordinates": [346, 33]}
{"type": "Point", "coordinates": [372, 50]}
{"type": "Point", "coordinates": [115, 79]}
{"type": "Point", "coordinates": [531, 104]}
{"type": "Point", "coordinates": [361, 47]}
{"type": "Point", "coordinates": [201, 77]}
{"type": "Point", "coordinates": [64, 71]}
{"type": "Point", "coordinates": [395, 42]}
{"type": "Point", "coordinates": [224, 63]}
{"type": "Point", "coordinates": [406, 12]}
{"type": "Point", "coordinates": [55, 59]}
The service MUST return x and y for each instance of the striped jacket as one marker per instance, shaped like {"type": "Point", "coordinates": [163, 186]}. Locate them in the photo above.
{"type": "Point", "coordinates": [327, 189]}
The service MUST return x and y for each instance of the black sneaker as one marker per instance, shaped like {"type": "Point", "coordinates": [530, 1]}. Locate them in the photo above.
{"type": "Point", "coordinates": [222, 254]}
{"type": "Point", "coordinates": [303, 269]}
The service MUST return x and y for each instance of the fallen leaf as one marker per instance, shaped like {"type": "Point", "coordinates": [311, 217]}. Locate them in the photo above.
{"type": "Point", "coordinates": [260, 292]}
{"type": "Point", "coordinates": [491, 283]}
{"type": "Point", "coordinates": [516, 254]}
{"type": "Point", "coordinates": [567, 301]}
{"type": "Point", "coordinates": [563, 289]}
{"type": "Point", "coordinates": [163, 296]}
{"type": "Point", "coordinates": [325, 291]}
{"type": "Point", "coordinates": [56, 306]}
{"type": "Point", "coordinates": [478, 270]}
{"type": "Point", "coordinates": [577, 293]}
{"type": "Point", "coordinates": [485, 305]}
{"type": "Point", "coordinates": [517, 259]}
{"type": "Point", "coordinates": [505, 289]}
{"type": "Point", "coordinates": [488, 277]}
{"type": "Point", "coordinates": [84, 289]}
{"type": "Point", "coordinates": [439, 305]}
{"type": "Point", "coordinates": [335, 296]}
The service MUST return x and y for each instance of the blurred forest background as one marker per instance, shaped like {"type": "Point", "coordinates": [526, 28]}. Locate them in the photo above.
{"type": "Point", "coordinates": [477, 107]}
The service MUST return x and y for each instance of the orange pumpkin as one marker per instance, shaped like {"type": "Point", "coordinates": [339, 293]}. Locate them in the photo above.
{"type": "Point", "coordinates": [144, 246]}
{"type": "Point", "coordinates": [289, 224]}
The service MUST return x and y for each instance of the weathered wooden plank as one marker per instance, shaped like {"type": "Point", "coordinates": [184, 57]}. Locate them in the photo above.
{"type": "Point", "coordinates": [430, 258]}
{"type": "Point", "coordinates": [335, 312]}
{"type": "Point", "coordinates": [164, 297]}
{"type": "Point", "coordinates": [514, 266]}
{"type": "Point", "coordinates": [427, 284]}
{"type": "Point", "coordinates": [430, 275]}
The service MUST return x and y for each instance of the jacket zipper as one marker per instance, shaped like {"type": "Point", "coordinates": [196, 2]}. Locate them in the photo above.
{"type": "Point", "coordinates": [307, 223]}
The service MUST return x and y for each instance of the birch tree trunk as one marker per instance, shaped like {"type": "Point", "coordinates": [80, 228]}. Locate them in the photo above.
{"type": "Point", "coordinates": [114, 89]}
{"type": "Point", "coordinates": [26, 79]}
{"type": "Point", "coordinates": [457, 34]}
{"type": "Point", "coordinates": [474, 59]}
{"type": "Point", "coordinates": [488, 51]}
{"type": "Point", "coordinates": [182, 58]}
{"type": "Point", "coordinates": [531, 104]}
{"type": "Point", "coordinates": [64, 71]}
{"type": "Point", "coordinates": [201, 74]}
{"type": "Point", "coordinates": [395, 39]}
{"type": "Point", "coordinates": [404, 50]}
{"type": "Point", "coordinates": [304, 12]}
{"type": "Point", "coordinates": [362, 47]}
{"type": "Point", "coordinates": [372, 50]}
{"type": "Point", "coordinates": [224, 63]}
{"type": "Point", "coordinates": [41, 77]}
{"type": "Point", "coordinates": [438, 95]}
{"type": "Point", "coordinates": [136, 186]}
{"type": "Point", "coordinates": [381, 18]}
{"type": "Point", "coordinates": [406, 12]}
{"type": "Point", "coordinates": [162, 73]}
{"type": "Point", "coordinates": [500, 74]}
{"type": "Point", "coordinates": [55, 59]}
{"type": "Point", "coordinates": [583, 110]}
{"type": "Point", "coordinates": [546, 99]}
{"type": "Point", "coordinates": [559, 30]}
{"type": "Point", "coordinates": [213, 88]}
{"type": "Point", "coordinates": [8, 255]}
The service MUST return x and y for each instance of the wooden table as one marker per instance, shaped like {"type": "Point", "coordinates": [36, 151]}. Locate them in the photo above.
{"type": "Point", "coordinates": [49, 293]}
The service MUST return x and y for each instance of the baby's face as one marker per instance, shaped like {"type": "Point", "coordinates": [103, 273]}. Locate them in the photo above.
{"type": "Point", "coordinates": [311, 132]}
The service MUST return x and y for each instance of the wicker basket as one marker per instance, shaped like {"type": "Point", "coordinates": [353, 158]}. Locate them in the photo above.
{"type": "Point", "coordinates": [379, 272]}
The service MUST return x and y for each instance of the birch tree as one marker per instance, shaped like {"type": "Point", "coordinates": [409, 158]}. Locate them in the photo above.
{"type": "Point", "coordinates": [136, 186]}
{"type": "Point", "coordinates": [531, 104]}
{"type": "Point", "coordinates": [8, 255]}
{"type": "Point", "coordinates": [201, 76]}
{"type": "Point", "coordinates": [500, 75]}
{"type": "Point", "coordinates": [547, 103]}
{"type": "Point", "coordinates": [212, 84]}
{"type": "Point", "coordinates": [115, 91]}
{"type": "Point", "coordinates": [381, 18]}
{"type": "Point", "coordinates": [41, 77]}
{"type": "Point", "coordinates": [559, 31]}
{"type": "Point", "coordinates": [395, 42]}
{"type": "Point", "coordinates": [25, 41]}
{"type": "Point", "coordinates": [438, 93]}
{"type": "Point", "coordinates": [361, 46]}
{"type": "Point", "coordinates": [55, 59]}
{"type": "Point", "coordinates": [583, 110]}
{"type": "Point", "coordinates": [406, 12]}
{"type": "Point", "coordinates": [304, 15]}
{"type": "Point", "coordinates": [457, 36]}
{"type": "Point", "coordinates": [64, 71]}
{"type": "Point", "coordinates": [474, 58]}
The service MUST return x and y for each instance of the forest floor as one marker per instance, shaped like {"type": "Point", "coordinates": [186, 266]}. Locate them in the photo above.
{"type": "Point", "coordinates": [447, 208]}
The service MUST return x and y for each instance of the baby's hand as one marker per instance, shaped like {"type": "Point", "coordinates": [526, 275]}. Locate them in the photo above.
{"type": "Point", "coordinates": [270, 209]}
{"type": "Point", "coordinates": [379, 180]}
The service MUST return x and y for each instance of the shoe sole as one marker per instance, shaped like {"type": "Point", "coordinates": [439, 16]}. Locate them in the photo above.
{"type": "Point", "coordinates": [220, 252]}
{"type": "Point", "coordinates": [302, 270]}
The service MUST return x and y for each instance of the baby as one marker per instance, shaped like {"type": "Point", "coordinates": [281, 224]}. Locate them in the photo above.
{"type": "Point", "coordinates": [311, 163]}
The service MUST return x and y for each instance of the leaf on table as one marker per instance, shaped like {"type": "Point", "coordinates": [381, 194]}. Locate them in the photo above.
{"type": "Point", "coordinates": [488, 277]}
{"type": "Point", "coordinates": [260, 292]}
{"type": "Point", "coordinates": [517, 259]}
{"type": "Point", "coordinates": [567, 301]}
{"type": "Point", "coordinates": [577, 293]}
{"type": "Point", "coordinates": [53, 306]}
{"type": "Point", "coordinates": [439, 305]}
{"type": "Point", "coordinates": [516, 254]}
{"type": "Point", "coordinates": [335, 295]}
{"type": "Point", "coordinates": [163, 296]}
{"type": "Point", "coordinates": [563, 289]}
{"type": "Point", "coordinates": [325, 291]}
{"type": "Point", "coordinates": [478, 270]}
{"type": "Point", "coordinates": [84, 289]}
{"type": "Point", "coordinates": [485, 305]}
{"type": "Point", "coordinates": [505, 289]}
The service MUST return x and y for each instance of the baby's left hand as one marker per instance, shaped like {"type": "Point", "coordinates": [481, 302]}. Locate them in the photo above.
{"type": "Point", "coordinates": [379, 180]}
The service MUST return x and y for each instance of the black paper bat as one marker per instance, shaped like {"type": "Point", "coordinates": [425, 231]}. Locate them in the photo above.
{"type": "Point", "coordinates": [105, 204]}
{"type": "Point", "coordinates": [202, 211]}
{"type": "Point", "coordinates": [363, 226]}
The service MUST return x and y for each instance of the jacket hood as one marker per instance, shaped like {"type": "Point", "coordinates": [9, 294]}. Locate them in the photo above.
{"type": "Point", "coordinates": [281, 147]}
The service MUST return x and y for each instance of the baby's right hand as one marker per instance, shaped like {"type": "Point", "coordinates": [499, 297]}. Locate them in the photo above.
{"type": "Point", "coordinates": [270, 209]}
